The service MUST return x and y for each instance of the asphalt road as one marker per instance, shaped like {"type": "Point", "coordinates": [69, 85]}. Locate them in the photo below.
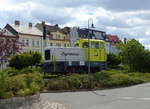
{"type": "Point", "coordinates": [135, 97]}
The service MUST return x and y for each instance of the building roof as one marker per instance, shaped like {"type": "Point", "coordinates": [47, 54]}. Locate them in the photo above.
{"type": "Point", "coordinates": [53, 28]}
{"type": "Point", "coordinates": [50, 28]}
{"type": "Point", "coordinates": [112, 38]}
{"type": "Point", "coordinates": [27, 30]}
{"type": "Point", "coordinates": [5, 32]}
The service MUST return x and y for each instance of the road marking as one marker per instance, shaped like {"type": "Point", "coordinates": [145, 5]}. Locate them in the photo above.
{"type": "Point", "coordinates": [134, 98]}
{"type": "Point", "coordinates": [127, 98]}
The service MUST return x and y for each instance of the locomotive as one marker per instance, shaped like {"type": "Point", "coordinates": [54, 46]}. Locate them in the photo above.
{"type": "Point", "coordinates": [75, 59]}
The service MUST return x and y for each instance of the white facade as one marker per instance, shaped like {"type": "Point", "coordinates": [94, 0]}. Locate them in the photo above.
{"type": "Point", "coordinates": [30, 38]}
{"type": "Point", "coordinates": [73, 35]}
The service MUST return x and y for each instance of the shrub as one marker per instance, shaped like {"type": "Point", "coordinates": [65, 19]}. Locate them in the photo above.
{"type": "Point", "coordinates": [113, 60]}
{"type": "Point", "coordinates": [102, 78]}
{"type": "Point", "coordinates": [139, 77]}
{"type": "Point", "coordinates": [24, 92]}
{"type": "Point", "coordinates": [51, 76]}
{"type": "Point", "coordinates": [115, 71]}
{"type": "Point", "coordinates": [34, 87]}
{"type": "Point", "coordinates": [16, 83]}
{"type": "Point", "coordinates": [25, 59]}
{"type": "Point", "coordinates": [35, 78]}
{"type": "Point", "coordinates": [31, 70]}
{"type": "Point", "coordinates": [57, 84]}
{"type": "Point", "coordinates": [11, 71]}
{"type": "Point", "coordinates": [121, 79]}
{"type": "Point", "coordinates": [20, 85]}
{"type": "Point", "coordinates": [7, 94]}
{"type": "Point", "coordinates": [71, 82]}
{"type": "Point", "coordinates": [77, 81]}
{"type": "Point", "coordinates": [4, 84]}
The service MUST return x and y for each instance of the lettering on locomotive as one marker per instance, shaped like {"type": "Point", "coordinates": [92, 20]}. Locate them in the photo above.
{"type": "Point", "coordinates": [69, 54]}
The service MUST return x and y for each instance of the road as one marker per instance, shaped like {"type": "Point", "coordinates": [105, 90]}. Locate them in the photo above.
{"type": "Point", "coordinates": [135, 97]}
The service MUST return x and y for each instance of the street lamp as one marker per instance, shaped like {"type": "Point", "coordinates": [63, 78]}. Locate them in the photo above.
{"type": "Point", "coordinates": [92, 26]}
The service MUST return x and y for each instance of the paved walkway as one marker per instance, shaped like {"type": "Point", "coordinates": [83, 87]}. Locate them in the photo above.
{"type": "Point", "coordinates": [135, 97]}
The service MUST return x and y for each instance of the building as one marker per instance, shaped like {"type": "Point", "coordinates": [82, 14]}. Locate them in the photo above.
{"type": "Point", "coordinates": [57, 36]}
{"type": "Point", "coordinates": [92, 33]}
{"type": "Point", "coordinates": [112, 41]}
{"type": "Point", "coordinates": [29, 36]}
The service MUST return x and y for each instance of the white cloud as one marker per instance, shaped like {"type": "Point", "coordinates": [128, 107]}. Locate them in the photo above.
{"type": "Point", "coordinates": [114, 16]}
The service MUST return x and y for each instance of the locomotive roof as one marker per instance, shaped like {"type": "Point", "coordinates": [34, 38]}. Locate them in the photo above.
{"type": "Point", "coordinates": [58, 47]}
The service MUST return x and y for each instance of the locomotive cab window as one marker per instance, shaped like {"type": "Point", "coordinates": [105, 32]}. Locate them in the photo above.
{"type": "Point", "coordinates": [85, 45]}
{"type": "Point", "coordinates": [47, 55]}
{"type": "Point", "coordinates": [95, 45]}
{"type": "Point", "coordinates": [102, 45]}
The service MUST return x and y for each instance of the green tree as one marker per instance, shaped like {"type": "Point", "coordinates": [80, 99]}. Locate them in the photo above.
{"type": "Point", "coordinates": [134, 54]}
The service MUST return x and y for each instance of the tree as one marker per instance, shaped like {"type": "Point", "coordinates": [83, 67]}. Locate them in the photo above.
{"type": "Point", "coordinates": [134, 54]}
{"type": "Point", "coordinates": [25, 59]}
{"type": "Point", "coordinates": [9, 45]}
{"type": "Point", "coordinates": [113, 60]}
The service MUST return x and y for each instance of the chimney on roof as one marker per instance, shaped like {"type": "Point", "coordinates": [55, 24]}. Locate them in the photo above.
{"type": "Point", "coordinates": [56, 25]}
{"type": "Point", "coordinates": [30, 25]}
{"type": "Point", "coordinates": [17, 23]}
{"type": "Point", "coordinates": [43, 22]}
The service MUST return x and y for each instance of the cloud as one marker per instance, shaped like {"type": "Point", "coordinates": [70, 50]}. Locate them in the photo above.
{"type": "Point", "coordinates": [65, 3]}
{"type": "Point", "coordinates": [59, 16]}
{"type": "Point", "coordinates": [126, 5]}
{"type": "Point", "coordinates": [125, 18]}
{"type": "Point", "coordinates": [114, 5]}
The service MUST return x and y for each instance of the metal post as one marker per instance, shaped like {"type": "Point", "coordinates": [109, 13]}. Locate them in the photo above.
{"type": "Point", "coordinates": [44, 34]}
{"type": "Point", "coordinates": [44, 39]}
{"type": "Point", "coordinates": [89, 72]}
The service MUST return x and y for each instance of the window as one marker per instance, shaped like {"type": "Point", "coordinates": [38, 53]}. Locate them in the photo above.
{"type": "Point", "coordinates": [58, 36]}
{"type": "Point", "coordinates": [95, 45]}
{"type": "Point", "coordinates": [27, 42]}
{"type": "Point", "coordinates": [33, 43]}
{"type": "Point", "coordinates": [64, 45]}
{"type": "Point", "coordinates": [23, 42]}
{"type": "Point", "coordinates": [58, 44]}
{"type": "Point", "coordinates": [51, 44]}
{"type": "Point", "coordinates": [102, 45]}
{"type": "Point", "coordinates": [37, 43]}
{"type": "Point", "coordinates": [85, 45]}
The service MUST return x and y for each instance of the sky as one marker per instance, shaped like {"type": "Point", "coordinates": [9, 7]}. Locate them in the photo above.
{"type": "Point", "coordinates": [125, 18]}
